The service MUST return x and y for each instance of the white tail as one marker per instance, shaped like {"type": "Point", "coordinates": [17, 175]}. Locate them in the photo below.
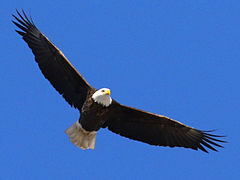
{"type": "Point", "coordinates": [80, 137]}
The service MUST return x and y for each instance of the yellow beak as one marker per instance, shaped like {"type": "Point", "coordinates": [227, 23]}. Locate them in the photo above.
{"type": "Point", "coordinates": [108, 92]}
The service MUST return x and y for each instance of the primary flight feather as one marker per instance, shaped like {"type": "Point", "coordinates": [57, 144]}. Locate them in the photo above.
{"type": "Point", "coordinates": [98, 109]}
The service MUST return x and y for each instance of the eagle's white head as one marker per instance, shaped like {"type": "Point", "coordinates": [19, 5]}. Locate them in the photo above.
{"type": "Point", "coordinates": [102, 96]}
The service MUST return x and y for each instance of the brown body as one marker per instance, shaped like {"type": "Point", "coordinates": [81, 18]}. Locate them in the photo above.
{"type": "Point", "coordinates": [93, 115]}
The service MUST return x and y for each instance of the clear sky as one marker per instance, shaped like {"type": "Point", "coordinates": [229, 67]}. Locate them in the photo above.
{"type": "Point", "coordinates": [176, 58]}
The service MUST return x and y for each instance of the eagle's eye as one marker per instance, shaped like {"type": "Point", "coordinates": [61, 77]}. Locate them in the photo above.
{"type": "Point", "coordinates": [103, 90]}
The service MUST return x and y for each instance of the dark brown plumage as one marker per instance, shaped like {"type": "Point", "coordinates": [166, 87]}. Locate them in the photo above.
{"type": "Point", "coordinates": [159, 130]}
{"type": "Point", "coordinates": [53, 64]}
{"type": "Point", "coordinates": [135, 124]}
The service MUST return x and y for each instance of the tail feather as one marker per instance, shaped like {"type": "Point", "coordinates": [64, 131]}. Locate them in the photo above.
{"type": "Point", "coordinates": [80, 137]}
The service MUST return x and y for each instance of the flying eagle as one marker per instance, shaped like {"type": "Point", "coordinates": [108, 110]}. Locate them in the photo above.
{"type": "Point", "coordinates": [98, 109]}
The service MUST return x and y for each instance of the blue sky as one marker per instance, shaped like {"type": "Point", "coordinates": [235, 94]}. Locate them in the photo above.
{"type": "Point", "coordinates": [176, 58]}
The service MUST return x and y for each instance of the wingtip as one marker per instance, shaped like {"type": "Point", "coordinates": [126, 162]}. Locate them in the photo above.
{"type": "Point", "coordinates": [210, 139]}
{"type": "Point", "coordinates": [16, 10]}
{"type": "Point", "coordinates": [202, 148]}
{"type": "Point", "coordinates": [20, 32]}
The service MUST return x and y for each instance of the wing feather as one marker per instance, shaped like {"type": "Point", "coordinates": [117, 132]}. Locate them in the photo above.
{"type": "Point", "coordinates": [53, 64]}
{"type": "Point", "coordinates": [158, 130]}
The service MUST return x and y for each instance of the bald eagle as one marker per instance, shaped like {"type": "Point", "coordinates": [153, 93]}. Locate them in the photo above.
{"type": "Point", "coordinates": [97, 108]}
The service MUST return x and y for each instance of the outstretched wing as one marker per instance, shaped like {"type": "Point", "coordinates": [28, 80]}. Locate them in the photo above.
{"type": "Point", "coordinates": [157, 130]}
{"type": "Point", "coordinates": [53, 64]}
